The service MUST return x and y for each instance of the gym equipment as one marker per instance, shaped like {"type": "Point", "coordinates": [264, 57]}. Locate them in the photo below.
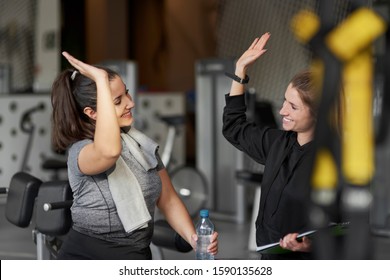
{"type": "Point", "coordinates": [188, 181]}
{"type": "Point", "coordinates": [51, 202]}
{"type": "Point", "coordinates": [28, 127]}
{"type": "Point", "coordinates": [27, 194]}
{"type": "Point", "coordinates": [214, 155]}
{"type": "Point", "coordinates": [22, 192]}
{"type": "Point", "coordinates": [343, 168]}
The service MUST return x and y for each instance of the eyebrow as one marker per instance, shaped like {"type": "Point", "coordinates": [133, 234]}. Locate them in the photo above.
{"type": "Point", "coordinates": [292, 104]}
{"type": "Point", "coordinates": [123, 92]}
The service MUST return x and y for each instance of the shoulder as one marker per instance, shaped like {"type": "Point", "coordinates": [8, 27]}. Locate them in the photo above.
{"type": "Point", "coordinates": [73, 154]}
{"type": "Point", "coordinates": [76, 147]}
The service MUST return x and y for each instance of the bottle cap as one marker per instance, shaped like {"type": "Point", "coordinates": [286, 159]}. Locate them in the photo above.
{"type": "Point", "coordinates": [204, 213]}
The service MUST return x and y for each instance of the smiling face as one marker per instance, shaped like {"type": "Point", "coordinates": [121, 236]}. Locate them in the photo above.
{"type": "Point", "coordinates": [122, 101]}
{"type": "Point", "coordinates": [297, 116]}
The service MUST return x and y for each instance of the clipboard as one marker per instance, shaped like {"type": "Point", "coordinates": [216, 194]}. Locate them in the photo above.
{"type": "Point", "coordinates": [274, 248]}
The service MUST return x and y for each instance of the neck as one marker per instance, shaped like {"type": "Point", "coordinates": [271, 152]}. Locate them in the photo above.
{"type": "Point", "coordinates": [304, 138]}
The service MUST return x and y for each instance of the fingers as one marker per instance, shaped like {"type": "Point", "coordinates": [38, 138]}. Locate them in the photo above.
{"type": "Point", "coordinates": [68, 57]}
{"type": "Point", "coordinates": [306, 244]}
{"type": "Point", "coordinates": [260, 44]}
{"type": "Point", "coordinates": [254, 43]}
{"type": "Point", "coordinates": [66, 54]}
{"type": "Point", "coordinates": [90, 71]}
{"type": "Point", "coordinates": [214, 243]}
{"type": "Point", "coordinates": [290, 242]}
{"type": "Point", "coordinates": [73, 61]}
{"type": "Point", "coordinates": [214, 237]}
{"type": "Point", "coordinates": [213, 247]}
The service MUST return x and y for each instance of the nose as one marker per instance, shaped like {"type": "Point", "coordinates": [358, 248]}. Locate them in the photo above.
{"type": "Point", "coordinates": [283, 110]}
{"type": "Point", "coordinates": [130, 103]}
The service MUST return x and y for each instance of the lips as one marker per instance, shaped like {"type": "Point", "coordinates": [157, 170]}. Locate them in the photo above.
{"type": "Point", "coordinates": [126, 115]}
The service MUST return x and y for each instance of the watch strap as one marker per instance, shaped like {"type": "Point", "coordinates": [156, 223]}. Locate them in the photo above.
{"type": "Point", "coordinates": [238, 79]}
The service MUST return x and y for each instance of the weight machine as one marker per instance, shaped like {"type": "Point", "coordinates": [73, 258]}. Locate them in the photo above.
{"type": "Point", "coordinates": [343, 168]}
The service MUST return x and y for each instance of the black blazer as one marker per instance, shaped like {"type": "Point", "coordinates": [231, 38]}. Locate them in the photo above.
{"type": "Point", "coordinates": [285, 188]}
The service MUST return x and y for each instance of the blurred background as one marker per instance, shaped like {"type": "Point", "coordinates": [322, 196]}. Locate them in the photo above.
{"type": "Point", "coordinates": [172, 54]}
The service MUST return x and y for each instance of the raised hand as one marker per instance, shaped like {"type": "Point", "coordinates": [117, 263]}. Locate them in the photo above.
{"type": "Point", "coordinates": [88, 70]}
{"type": "Point", "coordinates": [253, 52]}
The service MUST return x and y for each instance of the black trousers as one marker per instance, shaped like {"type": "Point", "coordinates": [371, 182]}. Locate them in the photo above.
{"type": "Point", "coordinates": [78, 246]}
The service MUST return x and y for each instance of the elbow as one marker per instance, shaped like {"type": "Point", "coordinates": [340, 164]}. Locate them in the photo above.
{"type": "Point", "coordinates": [226, 134]}
{"type": "Point", "coordinates": [110, 153]}
{"type": "Point", "coordinates": [224, 130]}
{"type": "Point", "coordinates": [107, 160]}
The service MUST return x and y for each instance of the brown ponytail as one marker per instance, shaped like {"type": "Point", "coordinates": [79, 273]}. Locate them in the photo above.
{"type": "Point", "coordinates": [71, 93]}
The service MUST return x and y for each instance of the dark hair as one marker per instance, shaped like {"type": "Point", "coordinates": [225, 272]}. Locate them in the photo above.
{"type": "Point", "coordinates": [71, 93]}
{"type": "Point", "coordinates": [303, 82]}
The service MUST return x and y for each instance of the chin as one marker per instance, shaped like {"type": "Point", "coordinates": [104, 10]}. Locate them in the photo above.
{"type": "Point", "coordinates": [127, 122]}
{"type": "Point", "coordinates": [286, 128]}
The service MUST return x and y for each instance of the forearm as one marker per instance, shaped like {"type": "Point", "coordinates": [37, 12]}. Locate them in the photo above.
{"type": "Point", "coordinates": [107, 133]}
{"type": "Point", "coordinates": [179, 219]}
{"type": "Point", "coordinates": [173, 208]}
{"type": "Point", "coordinates": [237, 88]}
{"type": "Point", "coordinates": [234, 118]}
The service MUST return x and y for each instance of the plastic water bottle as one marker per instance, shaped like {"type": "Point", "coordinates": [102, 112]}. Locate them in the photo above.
{"type": "Point", "coordinates": [204, 230]}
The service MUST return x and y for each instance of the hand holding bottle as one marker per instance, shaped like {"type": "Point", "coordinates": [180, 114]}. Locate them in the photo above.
{"type": "Point", "coordinates": [206, 238]}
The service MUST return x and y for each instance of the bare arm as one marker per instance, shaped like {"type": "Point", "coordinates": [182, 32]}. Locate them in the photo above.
{"type": "Point", "coordinates": [247, 58]}
{"type": "Point", "coordinates": [177, 215]}
{"type": "Point", "coordinates": [106, 147]}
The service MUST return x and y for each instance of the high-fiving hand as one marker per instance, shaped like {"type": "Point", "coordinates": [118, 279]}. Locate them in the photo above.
{"type": "Point", "coordinates": [92, 72]}
{"type": "Point", "coordinates": [253, 52]}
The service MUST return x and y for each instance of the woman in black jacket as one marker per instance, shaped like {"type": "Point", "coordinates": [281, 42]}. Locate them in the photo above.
{"type": "Point", "coordinates": [286, 154]}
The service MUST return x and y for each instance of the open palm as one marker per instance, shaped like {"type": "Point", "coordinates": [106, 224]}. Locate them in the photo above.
{"type": "Point", "coordinates": [254, 51]}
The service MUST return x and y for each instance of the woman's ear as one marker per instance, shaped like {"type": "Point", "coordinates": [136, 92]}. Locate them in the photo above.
{"type": "Point", "coordinates": [90, 113]}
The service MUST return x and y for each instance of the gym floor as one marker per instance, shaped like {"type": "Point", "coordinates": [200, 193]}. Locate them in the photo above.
{"type": "Point", "coordinates": [17, 243]}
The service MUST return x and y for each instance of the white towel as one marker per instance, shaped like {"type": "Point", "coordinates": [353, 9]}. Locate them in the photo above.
{"type": "Point", "coordinates": [124, 186]}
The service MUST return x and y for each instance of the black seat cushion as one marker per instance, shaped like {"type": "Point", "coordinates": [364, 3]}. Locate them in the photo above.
{"type": "Point", "coordinates": [22, 192]}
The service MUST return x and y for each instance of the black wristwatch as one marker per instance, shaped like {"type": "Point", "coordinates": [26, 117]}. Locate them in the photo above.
{"type": "Point", "coordinates": [238, 79]}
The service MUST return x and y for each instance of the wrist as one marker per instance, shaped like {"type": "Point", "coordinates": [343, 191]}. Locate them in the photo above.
{"type": "Point", "coordinates": [243, 79]}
